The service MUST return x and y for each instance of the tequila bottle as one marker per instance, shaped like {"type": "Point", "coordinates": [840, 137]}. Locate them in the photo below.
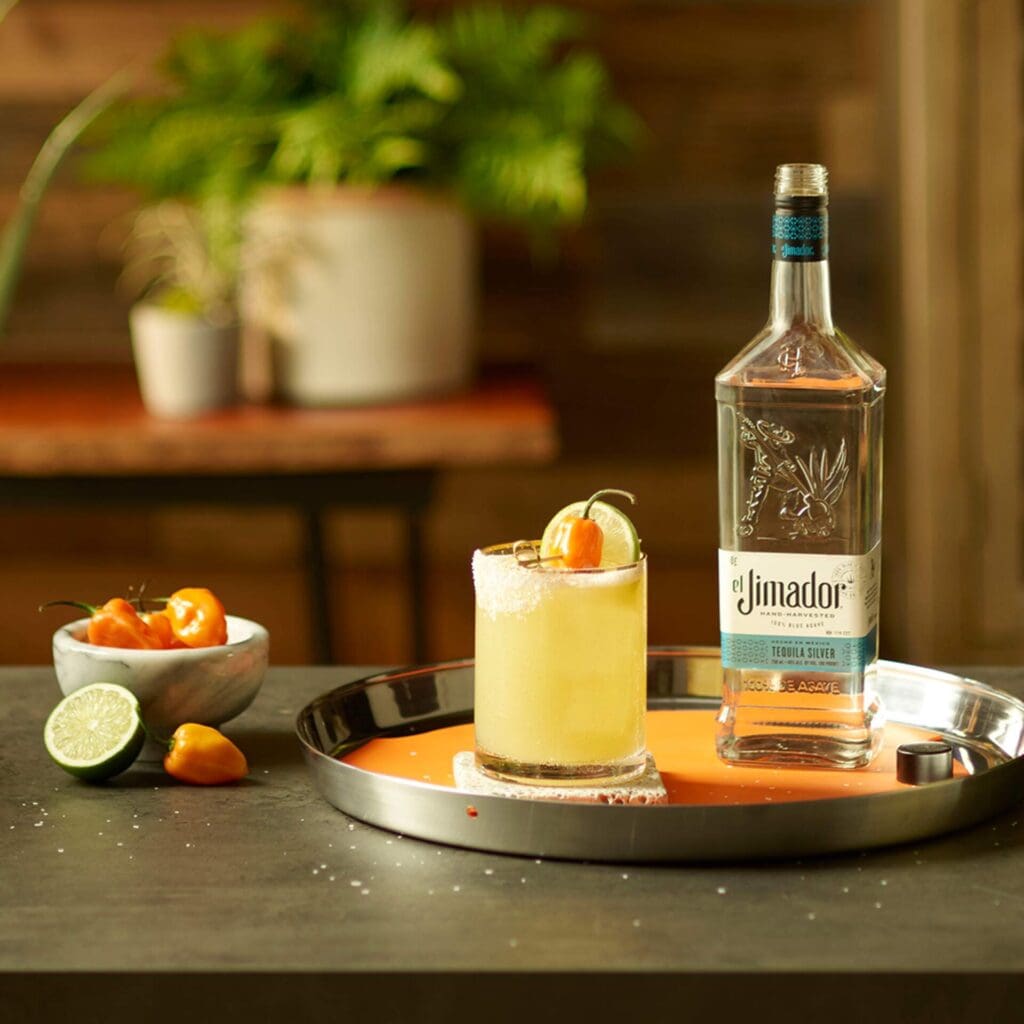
{"type": "Point", "coordinates": [800, 503]}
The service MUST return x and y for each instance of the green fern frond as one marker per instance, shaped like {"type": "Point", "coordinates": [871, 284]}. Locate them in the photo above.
{"type": "Point", "coordinates": [333, 138]}
{"type": "Point", "coordinates": [254, 65]}
{"type": "Point", "coordinates": [577, 90]}
{"type": "Point", "coordinates": [535, 180]}
{"type": "Point", "coordinates": [388, 57]}
{"type": "Point", "coordinates": [492, 40]}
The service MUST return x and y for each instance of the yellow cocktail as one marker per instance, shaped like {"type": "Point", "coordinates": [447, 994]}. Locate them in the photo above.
{"type": "Point", "coordinates": [560, 692]}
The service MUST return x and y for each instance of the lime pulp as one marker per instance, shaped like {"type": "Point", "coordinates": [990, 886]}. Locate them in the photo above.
{"type": "Point", "coordinates": [96, 732]}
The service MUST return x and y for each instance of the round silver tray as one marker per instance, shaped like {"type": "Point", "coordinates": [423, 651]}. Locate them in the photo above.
{"type": "Point", "coordinates": [985, 726]}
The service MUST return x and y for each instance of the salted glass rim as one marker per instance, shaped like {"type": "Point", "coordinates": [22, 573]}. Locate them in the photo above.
{"type": "Point", "coordinates": [508, 548]}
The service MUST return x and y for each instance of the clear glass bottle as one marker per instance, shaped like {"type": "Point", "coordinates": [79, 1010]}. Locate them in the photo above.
{"type": "Point", "coordinates": [800, 509]}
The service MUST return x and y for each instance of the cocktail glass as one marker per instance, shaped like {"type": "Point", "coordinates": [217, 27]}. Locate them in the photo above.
{"type": "Point", "coordinates": [560, 679]}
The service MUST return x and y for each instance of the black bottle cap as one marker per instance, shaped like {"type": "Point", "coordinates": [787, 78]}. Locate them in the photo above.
{"type": "Point", "coordinates": [919, 763]}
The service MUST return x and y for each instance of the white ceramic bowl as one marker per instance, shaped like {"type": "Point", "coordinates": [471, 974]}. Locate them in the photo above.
{"type": "Point", "coordinates": [208, 685]}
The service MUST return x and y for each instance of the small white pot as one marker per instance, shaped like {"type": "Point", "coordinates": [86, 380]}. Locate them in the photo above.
{"type": "Point", "coordinates": [186, 365]}
{"type": "Point", "coordinates": [364, 295]}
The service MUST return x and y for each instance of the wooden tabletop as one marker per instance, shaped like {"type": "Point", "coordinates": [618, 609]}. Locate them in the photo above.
{"type": "Point", "coordinates": [89, 420]}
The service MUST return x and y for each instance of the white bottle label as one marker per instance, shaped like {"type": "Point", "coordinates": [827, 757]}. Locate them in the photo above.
{"type": "Point", "coordinates": [794, 612]}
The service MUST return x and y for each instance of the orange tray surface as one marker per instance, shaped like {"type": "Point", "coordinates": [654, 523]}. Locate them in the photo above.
{"type": "Point", "coordinates": [682, 743]}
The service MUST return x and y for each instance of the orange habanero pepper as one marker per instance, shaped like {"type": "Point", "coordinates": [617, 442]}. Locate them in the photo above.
{"type": "Point", "coordinates": [202, 756]}
{"type": "Point", "coordinates": [114, 624]}
{"type": "Point", "coordinates": [161, 626]}
{"type": "Point", "coordinates": [117, 624]}
{"type": "Point", "coordinates": [579, 540]}
{"type": "Point", "coordinates": [197, 617]}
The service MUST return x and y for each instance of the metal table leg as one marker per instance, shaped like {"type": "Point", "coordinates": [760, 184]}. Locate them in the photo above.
{"type": "Point", "coordinates": [318, 588]}
{"type": "Point", "coordinates": [417, 584]}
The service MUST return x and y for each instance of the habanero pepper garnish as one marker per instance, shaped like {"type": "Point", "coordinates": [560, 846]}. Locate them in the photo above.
{"type": "Point", "coordinates": [197, 617]}
{"type": "Point", "coordinates": [203, 756]}
{"type": "Point", "coordinates": [575, 540]}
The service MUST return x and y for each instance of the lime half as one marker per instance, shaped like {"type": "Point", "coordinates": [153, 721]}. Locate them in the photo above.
{"type": "Point", "coordinates": [95, 732]}
{"type": "Point", "coordinates": [621, 543]}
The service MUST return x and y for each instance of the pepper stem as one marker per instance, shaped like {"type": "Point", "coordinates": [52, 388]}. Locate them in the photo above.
{"type": "Point", "coordinates": [160, 741]}
{"type": "Point", "coordinates": [139, 599]}
{"type": "Point", "coordinates": [90, 608]}
{"type": "Point", "coordinates": [601, 494]}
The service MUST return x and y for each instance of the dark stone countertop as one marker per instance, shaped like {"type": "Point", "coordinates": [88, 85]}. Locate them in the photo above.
{"type": "Point", "coordinates": [141, 897]}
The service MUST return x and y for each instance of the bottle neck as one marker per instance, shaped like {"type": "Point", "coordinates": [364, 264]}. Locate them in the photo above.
{"type": "Point", "coordinates": [800, 292]}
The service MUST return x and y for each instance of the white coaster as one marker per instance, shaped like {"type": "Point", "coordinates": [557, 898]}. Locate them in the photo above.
{"type": "Point", "coordinates": [648, 789]}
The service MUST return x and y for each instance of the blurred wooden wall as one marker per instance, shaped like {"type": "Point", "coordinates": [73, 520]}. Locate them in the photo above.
{"type": "Point", "coordinates": [956, 500]}
{"type": "Point", "coordinates": [665, 281]}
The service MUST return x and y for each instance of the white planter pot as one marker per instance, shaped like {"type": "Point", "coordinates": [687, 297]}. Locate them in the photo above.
{"type": "Point", "coordinates": [364, 295]}
{"type": "Point", "coordinates": [186, 366]}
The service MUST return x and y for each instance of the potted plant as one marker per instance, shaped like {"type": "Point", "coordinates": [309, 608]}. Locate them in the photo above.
{"type": "Point", "coordinates": [184, 332]}
{"type": "Point", "coordinates": [356, 146]}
